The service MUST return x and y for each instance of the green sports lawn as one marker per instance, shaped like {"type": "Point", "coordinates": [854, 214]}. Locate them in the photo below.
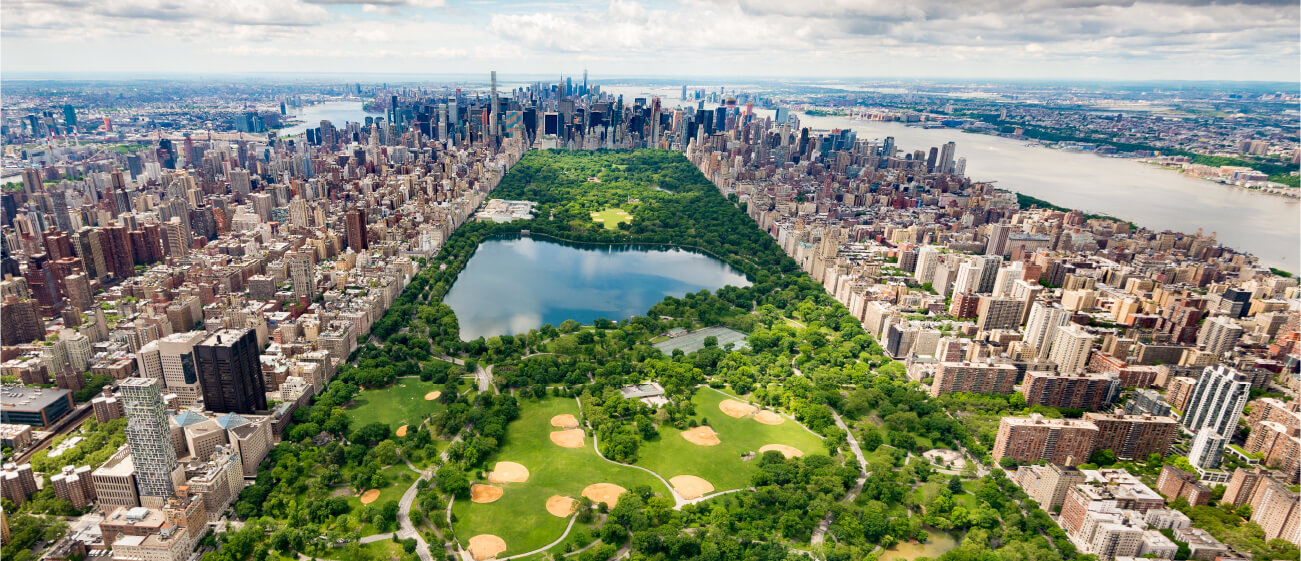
{"type": "Point", "coordinates": [403, 403]}
{"type": "Point", "coordinates": [520, 517]}
{"type": "Point", "coordinates": [721, 465]}
{"type": "Point", "coordinates": [611, 217]}
{"type": "Point", "coordinates": [400, 477]}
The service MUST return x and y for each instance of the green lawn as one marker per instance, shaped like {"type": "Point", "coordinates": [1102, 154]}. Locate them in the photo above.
{"type": "Point", "coordinates": [399, 478]}
{"type": "Point", "coordinates": [520, 516]}
{"type": "Point", "coordinates": [612, 217]}
{"type": "Point", "coordinates": [383, 549]}
{"type": "Point", "coordinates": [721, 465]}
{"type": "Point", "coordinates": [402, 403]}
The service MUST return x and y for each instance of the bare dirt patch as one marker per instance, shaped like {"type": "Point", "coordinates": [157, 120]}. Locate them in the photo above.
{"type": "Point", "coordinates": [486, 546]}
{"type": "Point", "coordinates": [607, 493]}
{"type": "Point", "coordinates": [433, 395]}
{"type": "Point", "coordinates": [402, 430]}
{"type": "Point", "coordinates": [949, 459]}
{"type": "Point", "coordinates": [565, 421]}
{"type": "Point", "coordinates": [572, 438]}
{"type": "Point", "coordinates": [734, 408]}
{"type": "Point", "coordinates": [690, 486]}
{"type": "Point", "coordinates": [788, 451]}
{"type": "Point", "coordinates": [769, 418]}
{"type": "Point", "coordinates": [485, 493]}
{"type": "Point", "coordinates": [369, 496]}
{"type": "Point", "coordinates": [701, 436]}
{"type": "Point", "coordinates": [508, 472]}
{"type": "Point", "coordinates": [561, 507]}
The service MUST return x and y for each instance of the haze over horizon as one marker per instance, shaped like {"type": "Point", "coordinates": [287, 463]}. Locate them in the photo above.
{"type": "Point", "coordinates": [990, 39]}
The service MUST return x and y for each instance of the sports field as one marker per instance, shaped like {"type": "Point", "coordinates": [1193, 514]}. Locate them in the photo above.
{"type": "Point", "coordinates": [520, 516]}
{"type": "Point", "coordinates": [399, 478]}
{"type": "Point", "coordinates": [403, 403]}
{"type": "Point", "coordinates": [611, 217]}
{"type": "Point", "coordinates": [721, 464]}
{"type": "Point", "coordinates": [695, 340]}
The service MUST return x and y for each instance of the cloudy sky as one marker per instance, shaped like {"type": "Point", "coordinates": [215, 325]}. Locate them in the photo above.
{"type": "Point", "coordinates": [1160, 39]}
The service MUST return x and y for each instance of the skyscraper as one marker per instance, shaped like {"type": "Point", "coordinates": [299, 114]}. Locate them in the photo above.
{"type": "Point", "coordinates": [355, 223]}
{"type": "Point", "coordinates": [149, 437]}
{"type": "Point", "coordinates": [1217, 401]}
{"type": "Point", "coordinates": [176, 355]}
{"type": "Point", "coordinates": [945, 163]}
{"type": "Point", "coordinates": [230, 373]}
{"type": "Point", "coordinates": [302, 273]}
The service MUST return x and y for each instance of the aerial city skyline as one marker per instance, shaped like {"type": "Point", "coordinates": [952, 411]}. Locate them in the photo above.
{"type": "Point", "coordinates": [701, 280]}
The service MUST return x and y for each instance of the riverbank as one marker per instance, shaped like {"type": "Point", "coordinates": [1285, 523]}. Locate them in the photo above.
{"type": "Point", "coordinates": [1025, 201]}
{"type": "Point", "coordinates": [1265, 226]}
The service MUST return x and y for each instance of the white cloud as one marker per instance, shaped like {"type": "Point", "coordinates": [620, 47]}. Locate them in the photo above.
{"type": "Point", "coordinates": [990, 38]}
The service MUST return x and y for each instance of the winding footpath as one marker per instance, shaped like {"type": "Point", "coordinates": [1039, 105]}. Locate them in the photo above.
{"type": "Point", "coordinates": [820, 533]}
{"type": "Point", "coordinates": [677, 499]}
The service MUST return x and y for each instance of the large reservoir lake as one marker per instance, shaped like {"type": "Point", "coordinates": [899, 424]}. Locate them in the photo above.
{"type": "Point", "coordinates": [515, 284]}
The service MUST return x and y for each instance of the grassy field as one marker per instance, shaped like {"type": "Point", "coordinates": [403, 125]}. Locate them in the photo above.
{"type": "Point", "coordinates": [399, 478]}
{"type": "Point", "coordinates": [721, 465]}
{"type": "Point", "coordinates": [612, 217]}
{"type": "Point", "coordinates": [520, 517]}
{"type": "Point", "coordinates": [403, 403]}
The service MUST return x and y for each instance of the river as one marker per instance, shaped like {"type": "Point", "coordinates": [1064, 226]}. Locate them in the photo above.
{"type": "Point", "coordinates": [336, 112]}
{"type": "Point", "coordinates": [1267, 226]}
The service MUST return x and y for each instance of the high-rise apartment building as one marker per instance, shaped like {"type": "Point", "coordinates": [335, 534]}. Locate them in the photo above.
{"type": "Point", "coordinates": [1133, 437]}
{"type": "Point", "coordinates": [180, 369]}
{"type": "Point", "coordinates": [1072, 391]}
{"type": "Point", "coordinates": [150, 439]}
{"type": "Point", "coordinates": [1174, 482]}
{"type": "Point", "coordinates": [302, 272]}
{"type": "Point", "coordinates": [1217, 400]}
{"type": "Point", "coordinates": [1219, 335]}
{"type": "Point", "coordinates": [73, 484]}
{"type": "Point", "coordinates": [967, 377]}
{"type": "Point", "coordinates": [355, 223]}
{"type": "Point", "coordinates": [1071, 348]}
{"type": "Point", "coordinates": [230, 373]}
{"type": "Point", "coordinates": [1207, 450]}
{"type": "Point", "coordinates": [1031, 439]}
{"type": "Point", "coordinates": [998, 313]}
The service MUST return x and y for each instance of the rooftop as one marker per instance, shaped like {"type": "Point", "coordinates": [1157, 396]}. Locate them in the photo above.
{"type": "Point", "coordinates": [17, 398]}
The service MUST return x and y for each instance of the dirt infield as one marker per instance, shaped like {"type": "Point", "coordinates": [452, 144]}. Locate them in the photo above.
{"type": "Point", "coordinates": [565, 421]}
{"type": "Point", "coordinates": [486, 546]}
{"type": "Point", "coordinates": [769, 418]}
{"type": "Point", "coordinates": [572, 438]}
{"type": "Point", "coordinates": [690, 486]}
{"type": "Point", "coordinates": [402, 430]}
{"type": "Point", "coordinates": [701, 436]}
{"type": "Point", "coordinates": [508, 472]}
{"type": "Point", "coordinates": [369, 496]}
{"type": "Point", "coordinates": [788, 451]}
{"type": "Point", "coordinates": [561, 507]}
{"type": "Point", "coordinates": [432, 396]}
{"type": "Point", "coordinates": [485, 493]}
{"type": "Point", "coordinates": [607, 493]}
{"type": "Point", "coordinates": [734, 408]}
